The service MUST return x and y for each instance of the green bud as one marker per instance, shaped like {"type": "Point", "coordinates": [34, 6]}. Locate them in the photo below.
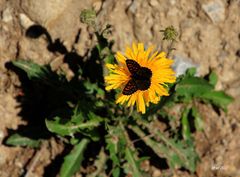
{"type": "Point", "coordinates": [88, 17]}
{"type": "Point", "coordinates": [170, 33]}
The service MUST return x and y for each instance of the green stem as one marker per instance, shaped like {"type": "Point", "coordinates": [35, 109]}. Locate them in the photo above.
{"type": "Point", "coordinates": [170, 49]}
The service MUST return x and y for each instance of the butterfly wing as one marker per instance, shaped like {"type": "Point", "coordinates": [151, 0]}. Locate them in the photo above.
{"type": "Point", "coordinates": [130, 87]}
{"type": "Point", "coordinates": [143, 78]}
{"type": "Point", "coordinates": [140, 79]}
{"type": "Point", "coordinates": [133, 66]}
{"type": "Point", "coordinates": [143, 84]}
{"type": "Point", "coordinates": [144, 73]}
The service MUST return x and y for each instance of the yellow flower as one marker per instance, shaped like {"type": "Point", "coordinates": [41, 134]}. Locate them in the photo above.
{"type": "Point", "coordinates": [141, 75]}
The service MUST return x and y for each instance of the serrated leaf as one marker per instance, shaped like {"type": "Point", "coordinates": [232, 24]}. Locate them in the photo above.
{"type": "Point", "coordinates": [175, 161]}
{"type": "Point", "coordinates": [132, 163]}
{"type": "Point", "coordinates": [213, 78]}
{"type": "Point", "coordinates": [178, 153]}
{"type": "Point", "coordinates": [114, 144]}
{"type": "Point", "coordinates": [32, 69]}
{"type": "Point", "coordinates": [91, 133]}
{"type": "Point", "coordinates": [72, 161]}
{"type": "Point", "coordinates": [193, 86]}
{"type": "Point", "coordinates": [93, 87]}
{"type": "Point", "coordinates": [112, 147]}
{"type": "Point", "coordinates": [18, 140]}
{"type": "Point", "coordinates": [69, 128]}
{"type": "Point", "coordinates": [218, 98]}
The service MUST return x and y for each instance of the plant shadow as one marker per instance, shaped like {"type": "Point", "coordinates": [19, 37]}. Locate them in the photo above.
{"type": "Point", "coordinates": [53, 95]}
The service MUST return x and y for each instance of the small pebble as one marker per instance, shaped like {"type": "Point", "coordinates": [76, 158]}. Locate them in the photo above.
{"type": "Point", "coordinates": [215, 10]}
{"type": "Point", "coordinates": [25, 21]}
{"type": "Point", "coordinates": [153, 3]}
{"type": "Point", "coordinates": [181, 64]}
{"type": "Point", "coordinates": [7, 15]}
{"type": "Point", "coordinates": [97, 5]}
{"type": "Point", "coordinates": [157, 173]}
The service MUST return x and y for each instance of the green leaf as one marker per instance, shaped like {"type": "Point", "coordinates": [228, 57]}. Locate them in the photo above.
{"type": "Point", "coordinates": [198, 122]}
{"type": "Point", "coordinates": [193, 86]}
{"type": "Point", "coordinates": [218, 98]}
{"type": "Point", "coordinates": [191, 71]}
{"type": "Point", "coordinates": [133, 165]}
{"type": "Point", "coordinates": [114, 144]}
{"type": "Point", "coordinates": [93, 87]}
{"type": "Point", "coordinates": [19, 140]}
{"type": "Point", "coordinates": [41, 73]}
{"type": "Point", "coordinates": [174, 160]}
{"type": "Point", "coordinates": [110, 59]}
{"type": "Point", "coordinates": [32, 69]}
{"type": "Point", "coordinates": [74, 140]}
{"type": "Point", "coordinates": [116, 172]}
{"type": "Point", "coordinates": [213, 78]}
{"type": "Point", "coordinates": [72, 161]}
{"type": "Point", "coordinates": [185, 125]}
{"type": "Point", "coordinates": [69, 128]}
{"type": "Point", "coordinates": [178, 153]}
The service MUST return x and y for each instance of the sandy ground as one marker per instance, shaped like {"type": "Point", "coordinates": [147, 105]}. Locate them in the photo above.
{"type": "Point", "coordinates": [209, 38]}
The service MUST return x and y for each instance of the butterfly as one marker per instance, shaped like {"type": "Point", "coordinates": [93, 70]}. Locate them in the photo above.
{"type": "Point", "coordinates": [140, 78]}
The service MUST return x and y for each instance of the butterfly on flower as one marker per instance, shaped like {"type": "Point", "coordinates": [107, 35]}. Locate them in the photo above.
{"type": "Point", "coordinates": [140, 78]}
{"type": "Point", "coordinates": [141, 74]}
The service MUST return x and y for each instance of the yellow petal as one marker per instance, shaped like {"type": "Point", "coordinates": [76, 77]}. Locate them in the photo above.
{"type": "Point", "coordinates": [161, 55]}
{"type": "Point", "coordinates": [110, 66]}
{"type": "Point", "coordinates": [135, 50]}
{"type": "Point", "coordinates": [129, 54]}
{"type": "Point", "coordinates": [122, 98]}
{"type": "Point", "coordinates": [132, 100]}
{"type": "Point", "coordinates": [149, 50]}
{"type": "Point", "coordinates": [153, 56]}
{"type": "Point", "coordinates": [140, 103]}
{"type": "Point", "coordinates": [120, 58]}
{"type": "Point", "coordinates": [140, 47]}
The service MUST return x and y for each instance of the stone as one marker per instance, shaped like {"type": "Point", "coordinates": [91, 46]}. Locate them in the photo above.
{"type": "Point", "coordinates": [8, 112]}
{"type": "Point", "coordinates": [61, 18]}
{"type": "Point", "coordinates": [181, 64]}
{"type": "Point", "coordinates": [156, 173]}
{"type": "Point", "coordinates": [142, 23]}
{"type": "Point", "coordinates": [133, 7]}
{"type": "Point", "coordinates": [56, 63]}
{"type": "Point", "coordinates": [215, 10]}
{"type": "Point", "coordinates": [7, 15]}
{"type": "Point", "coordinates": [44, 11]}
{"type": "Point", "coordinates": [29, 50]}
{"type": "Point", "coordinates": [8, 42]}
{"type": "Point", "coordinates": [172, 2]}
{"type": "Point", "coordinates": [153, 3]}
{"type": "Point", "coordinates": [25, 21]}
{"type": "Point", "coordinates": [97, 5]}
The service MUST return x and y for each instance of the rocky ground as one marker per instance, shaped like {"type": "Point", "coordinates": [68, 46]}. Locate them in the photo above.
{"type": "Point", "coordinates": [209, 38]}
